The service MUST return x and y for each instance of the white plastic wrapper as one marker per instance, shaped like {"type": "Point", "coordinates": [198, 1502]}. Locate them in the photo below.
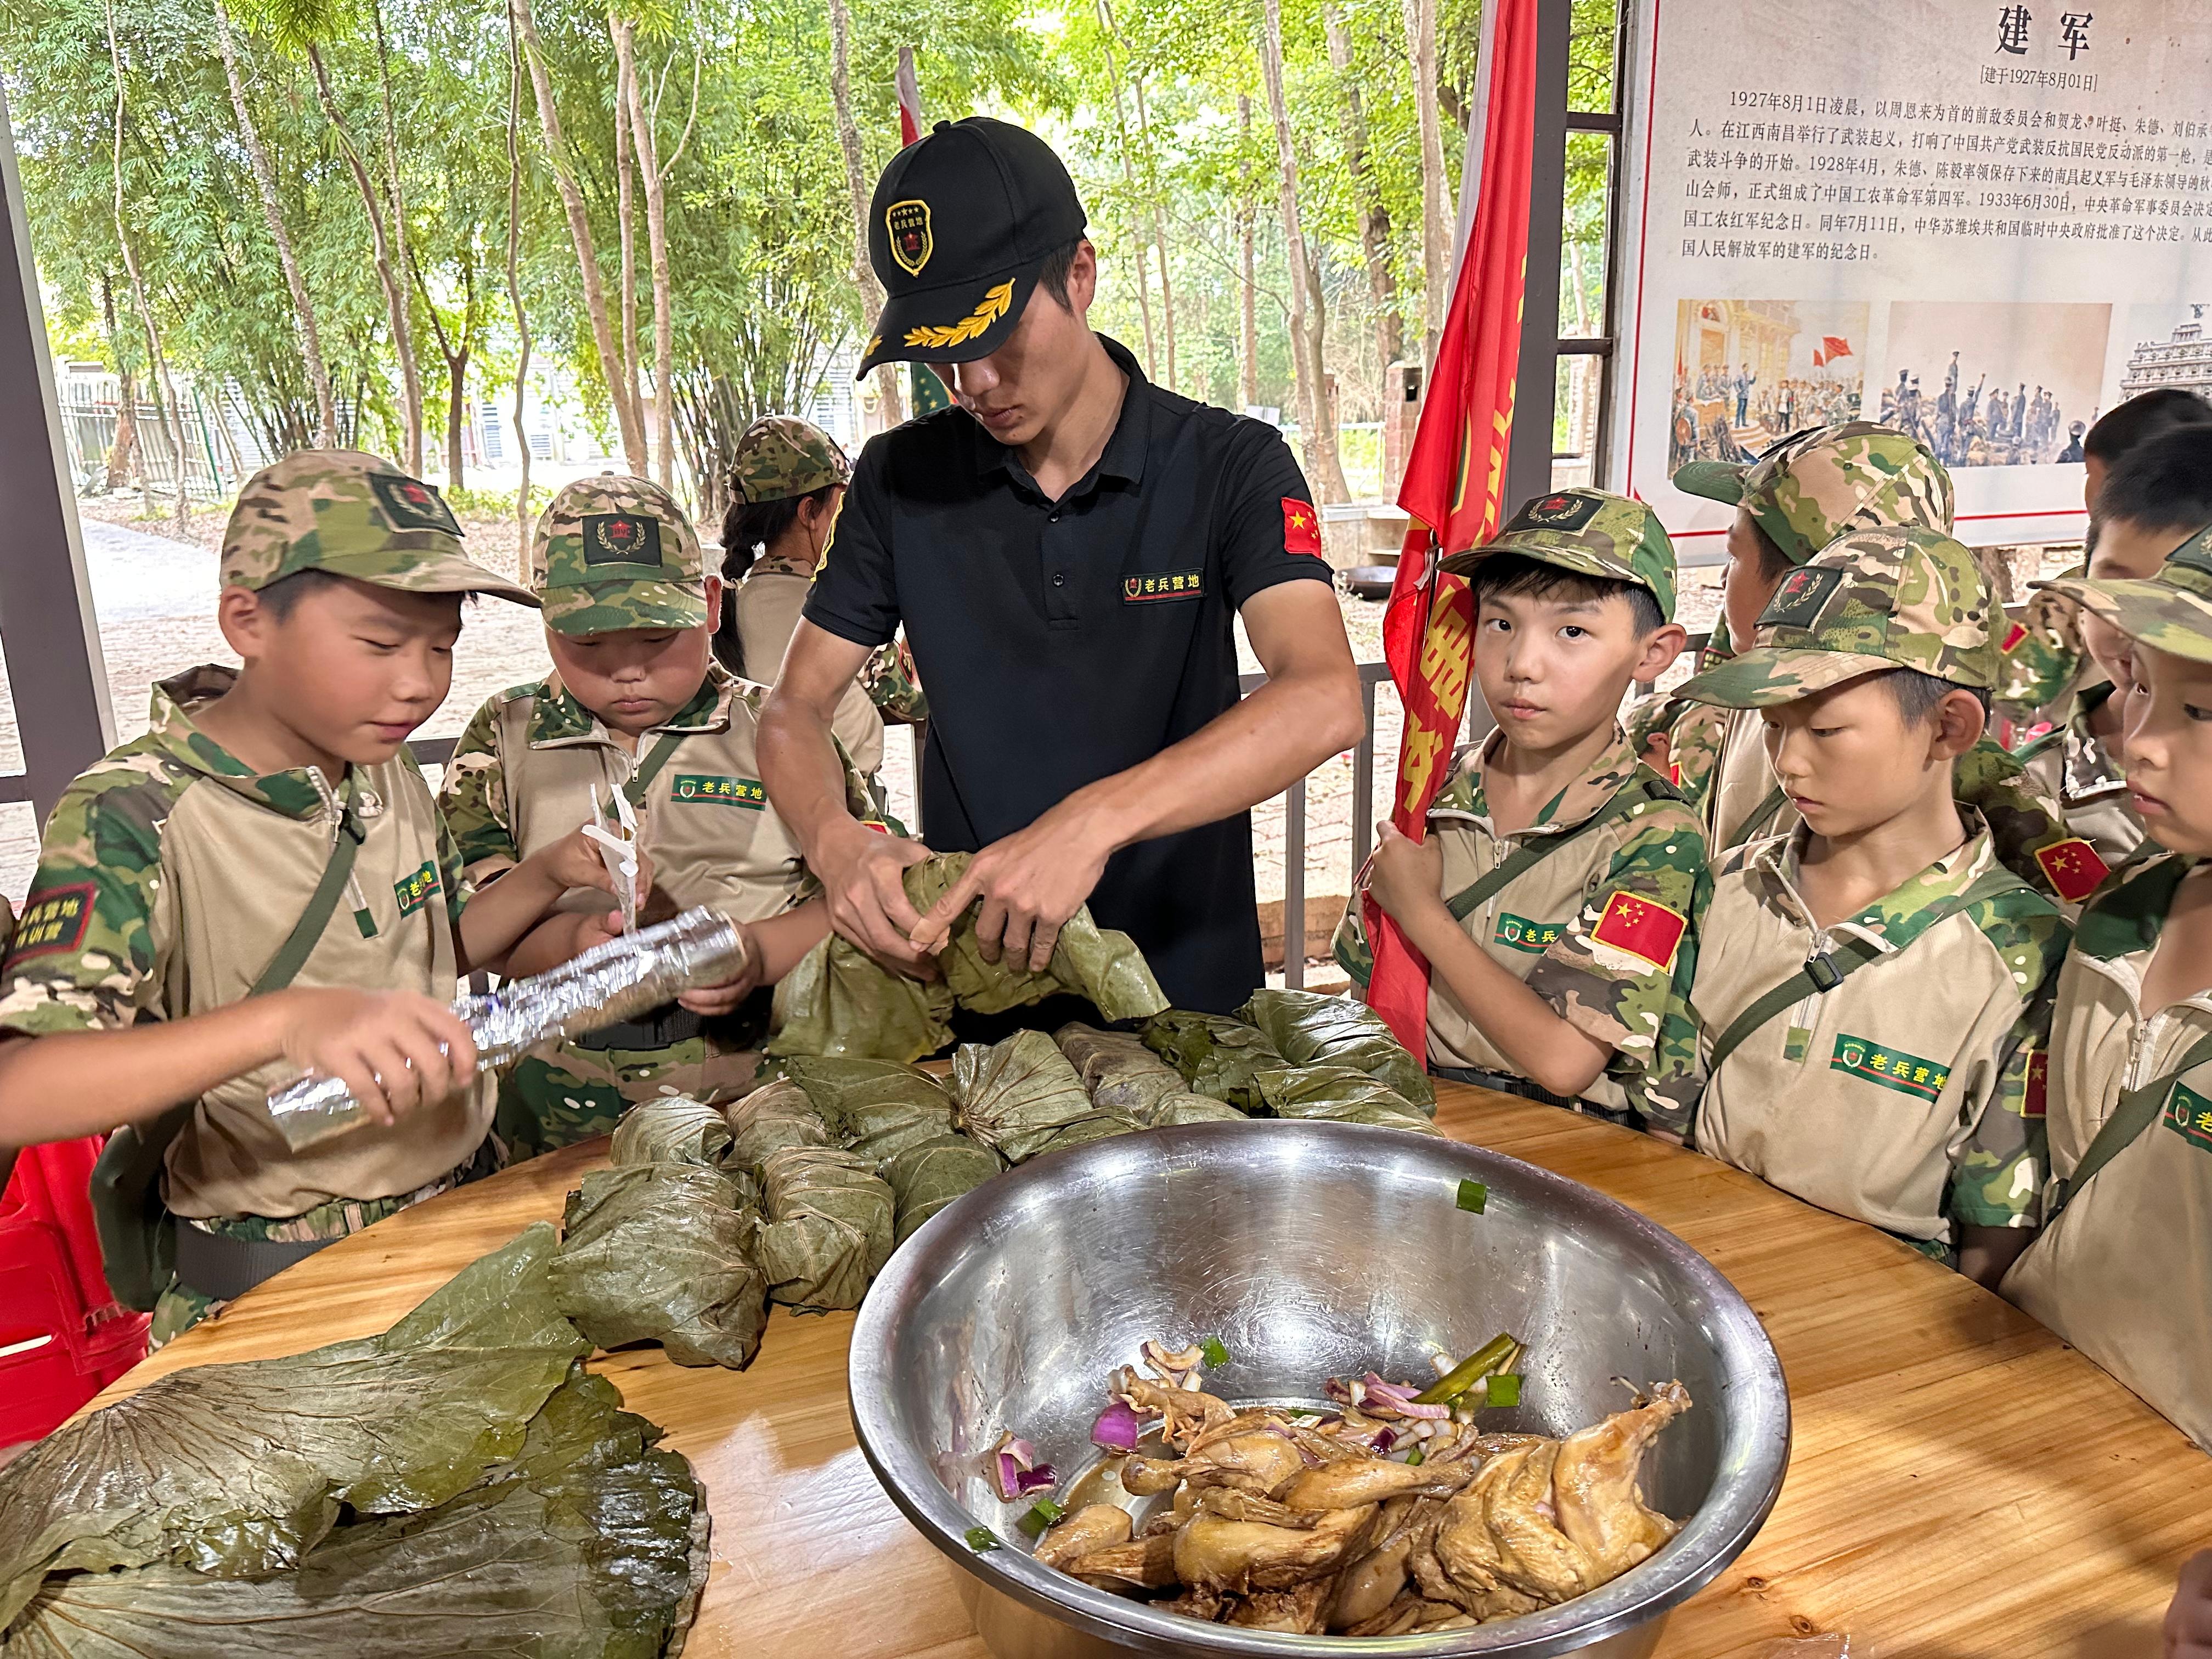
{"type": "Point", "coordinates": [617, 981]}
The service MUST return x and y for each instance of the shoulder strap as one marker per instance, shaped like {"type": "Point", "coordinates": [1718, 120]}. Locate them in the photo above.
{"type": "Point", "coordinates": [657, 758]}
{"type": "Point", "coordinates": [1824, 971]}
{"type": "Point", "coordinates": [1530, 854]}
{"type": "Point", "coordinates": [2137, 1108]}
{"type": "Point", "coordinates": [305, 931]}
{"type": "Point", "coordinates": [1759, 814]}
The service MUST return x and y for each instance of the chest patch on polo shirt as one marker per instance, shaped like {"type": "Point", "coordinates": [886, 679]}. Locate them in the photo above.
{"type": "Point", "coordinates": [54, 921]}
{"type": "Point", "coordinates": [1892, 1068]}
{"type": "Point", "coordinates": [1519, 934]}
{"type": "Point", "coordinates": [414, 891]}
{"type": "Point", "coordinates": [1163, 584]}
{"type": "Point", "coordinates": [2189, 1114]}
{"type": "Point", "coordinates": [710, 789]}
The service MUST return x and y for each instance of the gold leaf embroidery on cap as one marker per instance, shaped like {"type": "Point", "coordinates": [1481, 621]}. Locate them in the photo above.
{"type": "Point", "coordinates": [997, 301]}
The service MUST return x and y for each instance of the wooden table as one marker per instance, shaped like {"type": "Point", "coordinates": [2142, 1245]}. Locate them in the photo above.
{"type": "Point", "coordinates": [1962, 1484]}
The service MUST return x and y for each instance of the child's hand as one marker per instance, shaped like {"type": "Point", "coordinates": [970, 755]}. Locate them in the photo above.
{"type": "Point", "coordinates": [573, 861]}
{"type": "Point", "coordinates": [723, 999]}
{"type": "Point", "coordinates": [1405, 877]}
{"type": "Point", "coordinates": [2189, 1619]}
{"type": "Point", "coordinates": [396, 1050]}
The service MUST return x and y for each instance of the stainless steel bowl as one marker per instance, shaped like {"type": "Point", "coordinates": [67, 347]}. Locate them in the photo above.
{"type": "Point", "coordinates": [1310, 1250]}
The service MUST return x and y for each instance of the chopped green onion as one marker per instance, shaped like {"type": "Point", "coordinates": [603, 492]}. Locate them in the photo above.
{"type": "Point", "coordinates": [1043, 1514]}
{"type": "Point", "coordinates": [1419, 1458]}
{"type": "Point", "coordinates": [1473, 1196]}
{"type": "Point", "coordinates": [980, 1539]}
{"type": "Point", "coordinates": [1488, 1357]}
{"type": "Point", "coordinates": [1214, 1352]}
{"type": "Point", "coordinates": [1503, 1389]}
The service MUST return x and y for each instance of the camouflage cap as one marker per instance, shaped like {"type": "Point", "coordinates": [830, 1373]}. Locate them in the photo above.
{"type": "Point", "coordinates": [350, 514]}
{"type": "Point", "coordinates": [1590, 532]}
{"type": "Point", "coordinates": [2171, 611]}
{"type": "Point", "coordinates": [613, 552]}
{"type": "Point", "coordinates": [782, 456]}
{"type": "Point", "coordinates": [1814, 485]}
{"type": "Point", "coordinates": [1894, 597]}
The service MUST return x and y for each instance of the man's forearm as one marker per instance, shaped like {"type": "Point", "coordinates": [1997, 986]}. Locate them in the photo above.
{"type": "Point", "coordinates": [1249, 754]}
{"type": "Point", "coordinates": [1519, 1023]}
{"type": "Point", "coordinates": [799, 770]}
{"type": "Point", "coordinates": [82, 1082]}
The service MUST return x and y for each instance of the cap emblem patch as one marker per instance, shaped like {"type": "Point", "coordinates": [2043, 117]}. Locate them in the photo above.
{"type": "Point", "coordinates": [410, 504]}
{"type": "Point", "coordinates": [908, 222]}
{"type": "Point", "coordinates": [1801, 595]}
{"type": "Point", "coordinates": [621, 538]}
{"type": "Point", "coordinates": [1563, 511]}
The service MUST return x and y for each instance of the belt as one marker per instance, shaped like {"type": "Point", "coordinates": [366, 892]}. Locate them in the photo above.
{"type": "Point", "coordinates": [220, 1267]}
{"type": "Point", "coordinates": [1507, 1084]}
{"type": "Point", "coordinates": [743, 1027]}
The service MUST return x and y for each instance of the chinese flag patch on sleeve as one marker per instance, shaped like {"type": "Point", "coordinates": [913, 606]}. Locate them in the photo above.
{"type": "Point", "coordinates": [1301, 527]}
{"type": "Point", "coordinates": [2073, 868]}
{"type": "Point", "coordinates": [2037, 1094]}
{"type": "Point", "coordinates": [1644, 928]}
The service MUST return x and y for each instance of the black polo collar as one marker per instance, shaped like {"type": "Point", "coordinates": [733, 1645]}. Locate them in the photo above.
{"type": "Point", "coordinates": [1123, 458]}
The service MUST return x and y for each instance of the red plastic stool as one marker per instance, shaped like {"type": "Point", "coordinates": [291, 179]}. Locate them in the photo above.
{"type": "Point", "coordinates": [63, 1338]}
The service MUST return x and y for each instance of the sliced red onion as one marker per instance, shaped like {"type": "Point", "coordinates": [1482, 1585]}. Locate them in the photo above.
{"type": "Point", "coordinates": [1040, 1479]}
{"type": "Point", "coordinates": [1384, 1440]}
{"type": "Point", "coordinates": [1117, 1428]}
{"type": "Point", "coordinates": [1399, 1398]}
{"type": "Point", "coordinates": [1012, 1460]}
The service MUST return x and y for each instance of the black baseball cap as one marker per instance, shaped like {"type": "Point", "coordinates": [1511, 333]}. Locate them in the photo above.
{"type": "Point", "coordinates": [960, 226]}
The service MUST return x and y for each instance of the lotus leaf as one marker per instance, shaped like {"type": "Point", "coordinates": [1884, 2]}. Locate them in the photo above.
{"type": "Point", "coordinates": [829, 1228]}
{"type": "Point", "coordinates": [875, 1108]}
{"type": "Point", "coordinates": [927, 1176]}
{"type": "Point", "coordinates": [1022, 1097]}
{"type": "Point", "coordinates": [1088, 961]}
{"type": "Point", "coordinates": [676, 1129]}
{"type": "Point", "coordinates": [1310, 1029]}
{"type": "Point", "coordinates": [1217, 1055]}
{"type": "Point", "coordinates": [1121, 1074]}
{"type": "Point", "coordinates": [771, 1119]}
{"type": "Point", "coordinates": [1170, 1110]}
{"type": "Point", "coordinates": [657, 1253]}
{"type": "Point", "coordinates": [1340, 1094]}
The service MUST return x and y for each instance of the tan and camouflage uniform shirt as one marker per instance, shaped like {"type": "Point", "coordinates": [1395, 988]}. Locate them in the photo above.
{"type": "Point", "coordinates": [2079, 769]}
{"type": "Point", "coordinates": [1901, 1097]}
{"type": "Point", "coordinates": [170, 875]}
{"type": "Point", "coordinates": [2124, 1273]}
{"type": "Point", "coordinates": [766, 603]}
{"type": "Point", "coordinates": [2041, 656]}
{"type": "Point", "coordinates": [1540, 927]}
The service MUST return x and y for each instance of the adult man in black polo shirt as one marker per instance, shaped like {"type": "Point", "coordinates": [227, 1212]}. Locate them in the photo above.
{"type": "Point", "coordinates": [1067, 549]}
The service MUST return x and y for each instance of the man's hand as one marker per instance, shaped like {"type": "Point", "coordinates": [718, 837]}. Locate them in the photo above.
{"type": "Point", "coordinates": [396, 1050]}
{"type": "Point", "coordinates": [1031, 883]}
{"type": "Point", "coordinates": [715, 999]}
{"type": "Point", "coordinates": [1407, 878]}
{"type": "Point", "coordinates": [861, 874]}
{"type": "Point", "coordinates": [2189, 1619]}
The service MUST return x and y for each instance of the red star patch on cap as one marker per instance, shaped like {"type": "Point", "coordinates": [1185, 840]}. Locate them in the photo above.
{"type": "Point", "coordinates": [1301, 527]}
{"type": "Point", "coordinates": [2073, 868]}
{"type": "Point", "coordinates": [1644, 928]}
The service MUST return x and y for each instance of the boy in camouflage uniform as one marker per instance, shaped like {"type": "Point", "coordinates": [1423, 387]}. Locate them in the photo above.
{"type": "Point", "coordinates": [1873, 988]}
{"type": "Point", "coordinates": [1562, 982]}
{"type": "Point", "coordinates": [1790, 503]}
{"type": "Point", "coordinates": [2123, 1267]}
{"type": "Point", "coordinates": [635, 703]}
{"type": "Point", "coordinates": [174, 870]}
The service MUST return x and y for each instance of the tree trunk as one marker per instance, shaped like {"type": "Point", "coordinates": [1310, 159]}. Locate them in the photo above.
{"type": "Point", "coordinates": [457, 388]}
{"type": "Point", "coordinates": [1159, 227]}
{"type": "Point", "coordinates": [399, 243]}
{"type": "Point", "coordinates": [514, 283]}
{"type": "Point", "coordinates": [455, 352]}
{"type": "Point", "coordinates": [654, 173]}
{"type": "Point", "coordinates": [856, 179]}
{"type": "Point", "coordinates": [159, 365]}
{"type": "Point", "coordinates": [1374, 217]}
{"type": "Point", "coordinates": [1316, 422]}
{"type": "Point", "coordinates": [611, 367]}
{"type": "Point", "coordinates": [1129, 183]}
{"type": "Point", "coordinates": [1436, 229]}
{"type": "Point", "coordinates": [121, 447]}
{"type": "Point", "coordinates": [1248, 335]}
{"type": "Point", "coordinates": [395, 297]}
{"type": "Point", "coordinates": [303, 308]}
{"type": "Point", "coordinates": [625, 40]}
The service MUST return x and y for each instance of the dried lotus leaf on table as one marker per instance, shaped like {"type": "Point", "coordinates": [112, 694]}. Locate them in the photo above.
{"type": "Point", "coordinates": [1182, 1107]}
{"type": "Point", "coordinates": [1120, 1073]}
{"type": "Point", "coordinates": [1340, 1095]}
{"type": "Point", "coordinates": [1021, 1096]}
{"type": "Point", "coordinates": [676, 1129]}
{"type": "Point", "coordinates": [829, 1228]}
{"type": "Point", "coordinates": [926, 1177]}
{"type": "Point", "coordinates": [1308, 1028]}
{"type": "Point", "coordinates": [840, 1000]}
{"type": "Point", "coordinates": [1097, 963]}
{"type": "Point", "coordinates": [593, 1541]}
{"type": "Point", "coordinates": [874, 1108]}
{"type": "Point", "coordinates": [234, 1471]}
{"type": "Point", "coordinates": [1218, 1056]}
{"type": "Point", "coordinates": [768, 1120]}
{"type": "Point", "coordinates": [659, 1253]}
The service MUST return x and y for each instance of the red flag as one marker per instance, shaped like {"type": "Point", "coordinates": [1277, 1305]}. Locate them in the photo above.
{"type": "Point", "coordinates": [1835, 348]}
{"type": "Point", "coordinates": [909, 98]}
{"type": "Point", "coordinates": [1455, 482]}
{"type": "Point", "coordinates": [1819, 362]}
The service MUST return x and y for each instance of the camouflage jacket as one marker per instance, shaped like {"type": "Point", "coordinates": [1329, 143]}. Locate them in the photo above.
{"type": "Point", "coordinates": [2124, 1273]}
{"type": "Point", "coordinates": [527, 769]}
{"type": "Point", "coordinates": [1600, 929]}
{"type": "Point", "coordinates": [170, 875]}
{"type": "Point", "coordinates": [1882, 1099]}
{"type": "Point", "coordinates": [2073, 764]}
{"type": "Point", "coordinates": [2041, 655]}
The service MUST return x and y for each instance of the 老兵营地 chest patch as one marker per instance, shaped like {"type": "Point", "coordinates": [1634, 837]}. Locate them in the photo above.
{"type": "Point", "coordinates": [1519, 934]}
{"type": "Point", "coordinates": [707, 789]}
{"type": "Point", "coordinates": [1892, 1068]}
{"type": "Point", "coordinates": [1163, 584]}
{"type": "Point", "coordinates": [414, 891]}
{"type": "Point", "coordinates": [2189, 1114]}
